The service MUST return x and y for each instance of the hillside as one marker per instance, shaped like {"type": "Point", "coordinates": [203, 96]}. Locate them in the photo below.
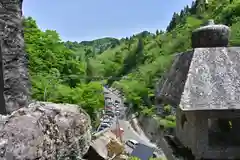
{"type": "Point", "coordinates": [74, 72]}
{"type": "Point", "coordinates": [92, 48]}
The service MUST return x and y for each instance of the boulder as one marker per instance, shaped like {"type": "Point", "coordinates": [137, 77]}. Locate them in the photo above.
{"type": "Point", "coordinates": [45, 131]}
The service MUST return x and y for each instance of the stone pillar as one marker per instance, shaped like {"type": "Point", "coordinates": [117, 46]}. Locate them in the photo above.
{"type": "Point", "coordinates": [15, 73]}
{"type": "Point", "coordinates": [211, 35]}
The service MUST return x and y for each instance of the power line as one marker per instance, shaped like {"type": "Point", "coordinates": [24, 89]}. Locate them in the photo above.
{"type": "Point", "coordinates": [95, 77]}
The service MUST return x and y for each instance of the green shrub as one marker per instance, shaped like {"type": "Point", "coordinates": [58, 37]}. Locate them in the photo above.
{"type": "Point", "coordinates": [167, 109]}
{"type": "Point", "coordinates": [147, 111]}
{"type": "Point", "coordinates": [171, 118]}
{"type": "Point", "coordinates": [164, 123]}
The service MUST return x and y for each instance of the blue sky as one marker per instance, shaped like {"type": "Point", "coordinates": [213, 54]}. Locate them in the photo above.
{"type": "Point", "coordinates": [78, 20]}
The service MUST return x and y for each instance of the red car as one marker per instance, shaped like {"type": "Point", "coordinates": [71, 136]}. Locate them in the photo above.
{"type": "Point", "coordinates": [109, 108]}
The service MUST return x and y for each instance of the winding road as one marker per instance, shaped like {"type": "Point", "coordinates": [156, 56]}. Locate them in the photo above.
{"type": "Point", "coordinates": [129, 132]}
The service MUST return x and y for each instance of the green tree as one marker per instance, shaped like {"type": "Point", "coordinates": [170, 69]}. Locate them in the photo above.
{"type": "Point", "coordinates": [65, 72]}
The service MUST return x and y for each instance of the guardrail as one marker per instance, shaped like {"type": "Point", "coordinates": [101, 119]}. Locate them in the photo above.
{"type": "Point", "coordinates": [98, 134]}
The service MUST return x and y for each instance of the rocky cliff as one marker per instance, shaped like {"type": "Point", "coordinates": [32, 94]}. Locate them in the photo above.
{"type": "Point", "coordinates": [15, 73]}
{"type": "Point", "coordinates": [170, 90]}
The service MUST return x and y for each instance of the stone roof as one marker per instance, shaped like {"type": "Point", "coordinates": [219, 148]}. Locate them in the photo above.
{"type": "Point", "coordinates": [213, 81]}
{"type": "Point", "coordinates": [206, 78]}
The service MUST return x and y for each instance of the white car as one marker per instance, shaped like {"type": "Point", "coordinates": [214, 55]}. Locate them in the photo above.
{"type": "Point", "coordinates": [109, 121]}
{"type": "Point", "coordinates": [106, 117]}
{"type": "Point", "coordinates": [117, 113]}
{"type": "Point", "coordinates": [132, 143]}
{"type": "Point", "coordinates": [117, 106]}
{"type": "Point", "coordinates": [108, 99]}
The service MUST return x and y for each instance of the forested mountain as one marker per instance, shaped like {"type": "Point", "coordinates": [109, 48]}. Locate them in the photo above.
{"type": "Point", "coordinates": [73, 72]}
{"type": "Point", "coordinates": [91, 48]}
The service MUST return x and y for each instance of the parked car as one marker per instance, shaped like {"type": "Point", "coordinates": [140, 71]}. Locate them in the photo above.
{"type": "Point", "coordinates": [109, 103]}
{"type": "Point", "coordinates": [106, 117]}
{"type": "Point", "coordinates": [110, 113]}
{"type": "Point", "coordinates": [105, 125]}
{"type": "Point", "coordinates": [132, 143]}
{"type": "Point", "coordinates": [101, 128]}
{"type": "Point", "coordinates": [110, 108]}
{"type": "Point", "coordinates": [107, 98]}
{"type": "Point", "coordinates": [107, 121]}
{"type": "Point", "coordinates": [117, 113]}
{"type": "Point", "coordinates": [117, 102]}
{"type": "Point", "coordinates": [117, 106]}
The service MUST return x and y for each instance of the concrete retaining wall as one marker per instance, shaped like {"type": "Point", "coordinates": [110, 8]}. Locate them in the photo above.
{"type": "Point", "coordinates": [98, 134]}
{"type": "Point", "coordinates": [150, 127]}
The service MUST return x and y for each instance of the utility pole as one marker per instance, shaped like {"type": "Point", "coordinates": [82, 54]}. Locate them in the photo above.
{"type": "Point", "coordinates": [45, 93]}
{"type": "Point", "coordinates": [45, 90]}
{"type": "Point", "coordinates": [103, 87]}
{"type": "Point", "coordinates": [118, 131]}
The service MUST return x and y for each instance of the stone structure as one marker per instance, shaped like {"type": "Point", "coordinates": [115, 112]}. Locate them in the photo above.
{"type": "Point", "coordinates": [45, 131]}
{"type": "Point", "coordinates": [205, 84]}
{"type": "Point", "coordinates": [14, 62]}
{"type": "Point", "coordinates": [106, 146]}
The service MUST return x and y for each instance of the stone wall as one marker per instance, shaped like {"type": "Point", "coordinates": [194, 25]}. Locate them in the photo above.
{"type": "Point", "coordinates": [150, 127]}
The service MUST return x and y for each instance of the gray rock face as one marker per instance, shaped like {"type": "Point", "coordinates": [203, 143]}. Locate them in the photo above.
{"type": "Point", "coordinates": [173, 86]}
{"type": "Point", "coordinates": [16, 81]}
{"type": "Point", "coordinates": [45, 131]}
